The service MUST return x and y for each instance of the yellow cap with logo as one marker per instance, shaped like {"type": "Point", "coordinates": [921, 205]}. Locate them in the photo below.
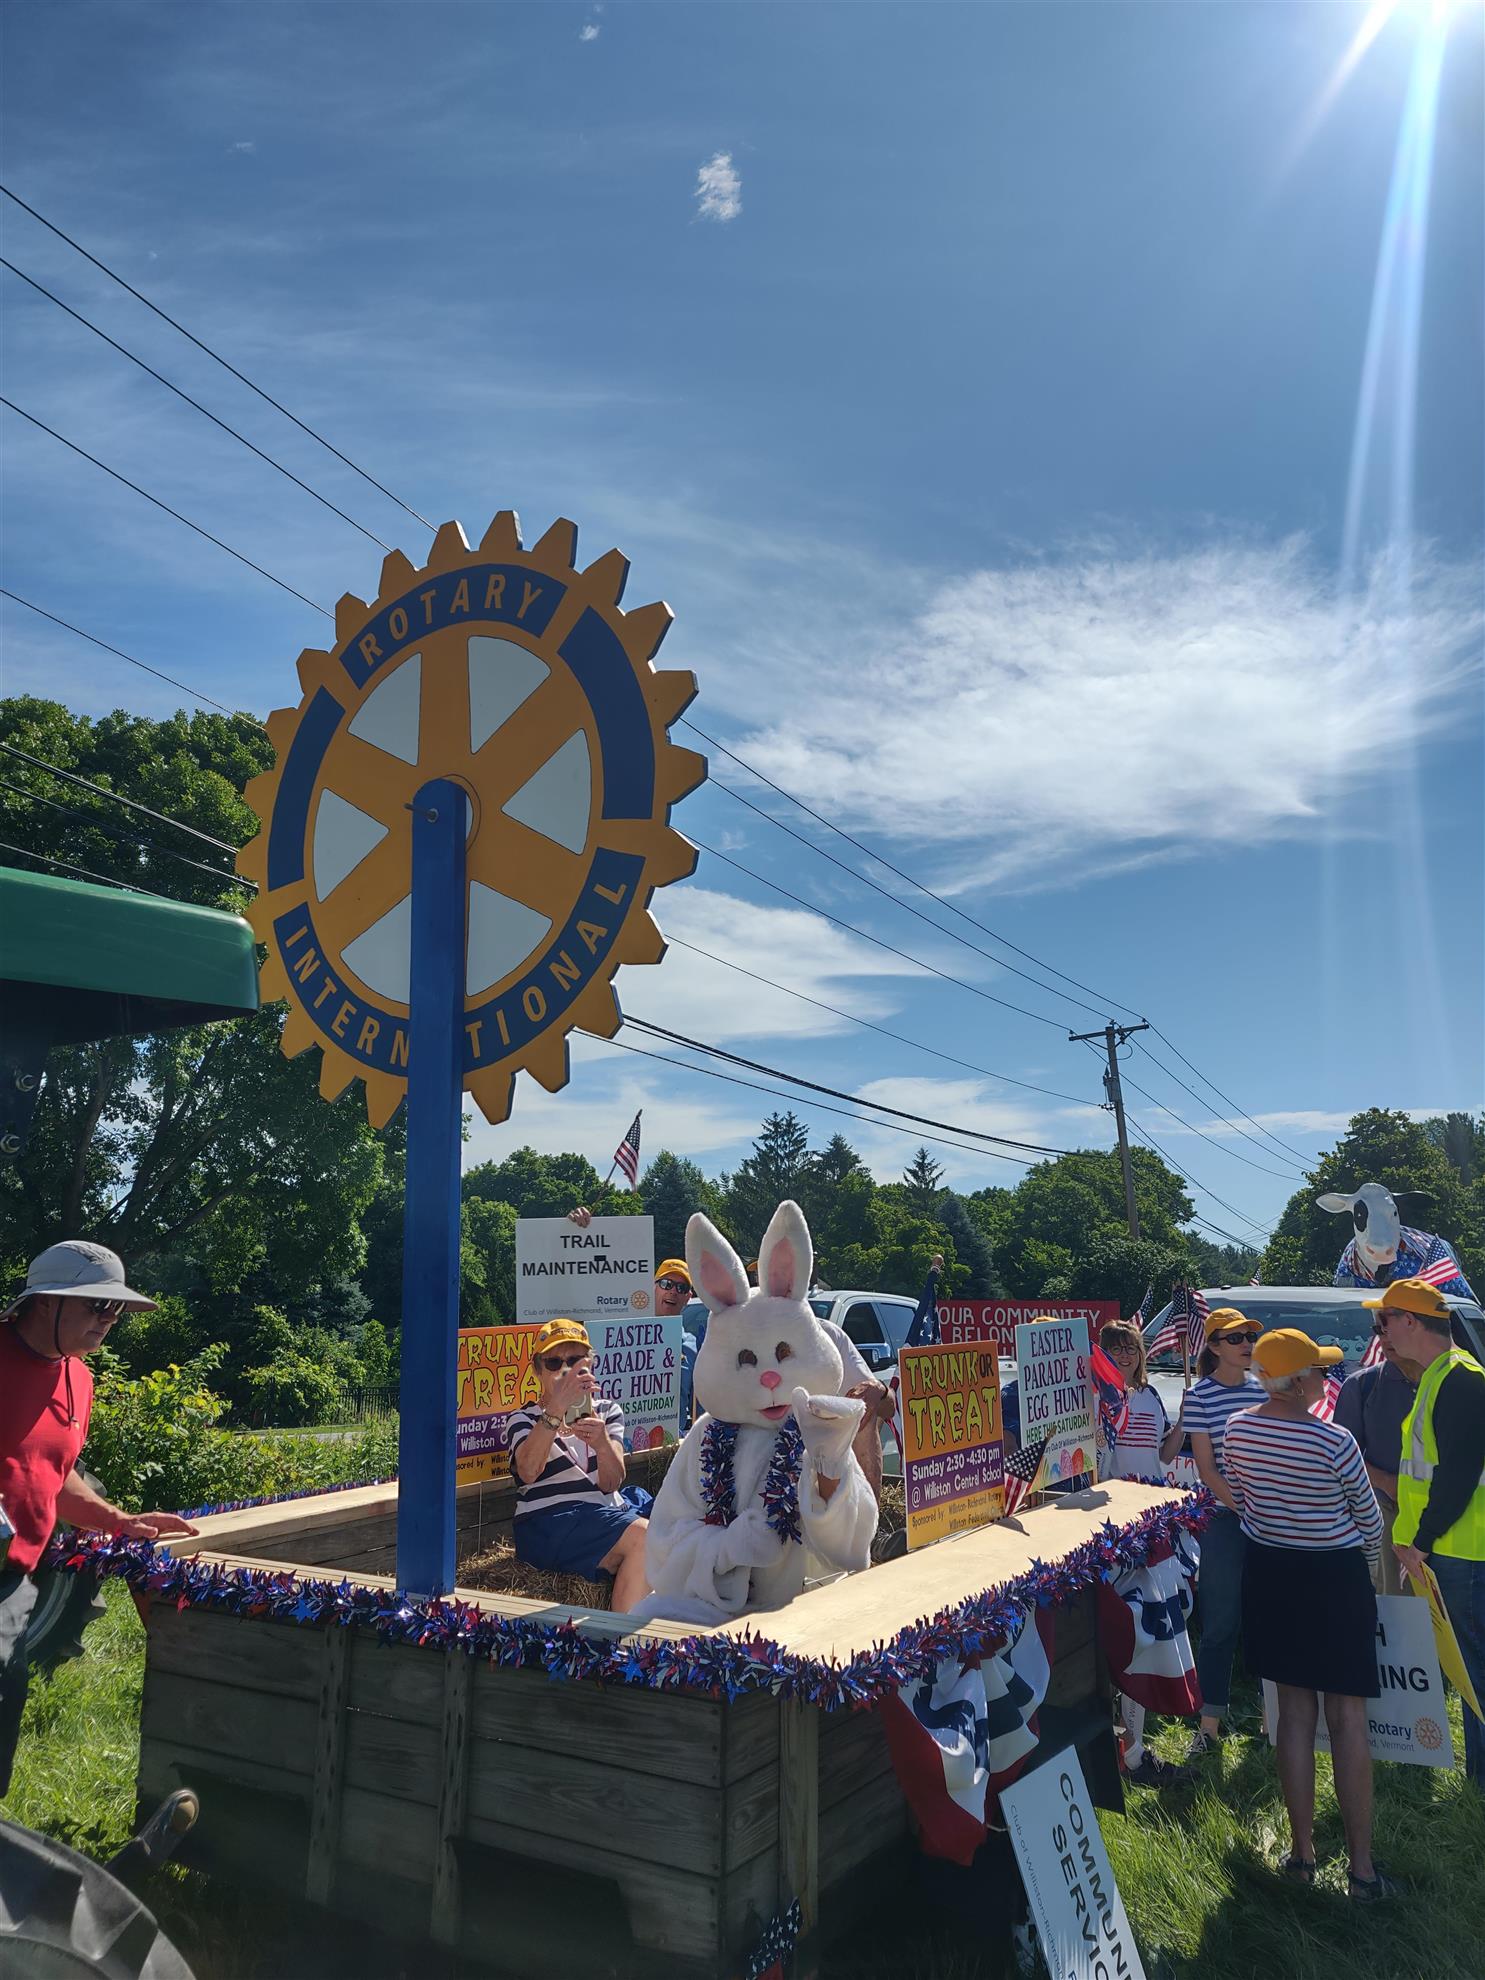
{"type": "Point", "coordinates": [557, 1332]}
{"type": "Point", "coordinates": [1411, 1296]}
{"type": "Point", "coordinates": [1221, 1318]}
{"type": "Point", "coordinates": [673, 1268]}
{"type": "Point", "coordinates": [1286, 1350]}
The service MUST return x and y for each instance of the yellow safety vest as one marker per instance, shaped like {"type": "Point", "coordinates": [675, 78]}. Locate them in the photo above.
{"type": "Point", "coordinates": [1465, 1539]}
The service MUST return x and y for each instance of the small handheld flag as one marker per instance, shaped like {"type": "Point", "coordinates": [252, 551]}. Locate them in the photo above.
{"type": "Point", "coordinates": [1021, 1474]}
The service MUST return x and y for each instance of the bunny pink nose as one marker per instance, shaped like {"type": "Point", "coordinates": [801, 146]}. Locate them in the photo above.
{"type": "Point", "coordinates": [770, 1378]}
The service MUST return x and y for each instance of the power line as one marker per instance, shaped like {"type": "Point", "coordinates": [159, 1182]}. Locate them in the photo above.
{"type": "Point", "coordinates": [1243, 1244]}
{"type": "Point", "coordinates": [856, 1099]}
{"type": "Point", "coordinates": [205, 412]}
{"type": "Point", "coordinates": [1077, 1099]}
{"type": "Point", "coordinates": [898, 902]}
{"type": "Point", "coordinates": [860, 846]}
{"type": "Point", "coordinates": [876, 941]}
{"type": "Point", "coordinates": [118, 651]}
{"type": "Point", "coordinates": [117, 797]}
{"type": "Point", "coordinates": [1191, 1128]}
{"type": "Point", "coordinates": [1185, 1175]}
{"type": "Point", "coordinates": [811, 1106]}
{"type": "Point", "coordinates": [66, 866]}
{"type": "Point", "coordinates": [1302, 1159]}
{"type": "Point", "coordinates": [242, 377]}
{"type": "Point", "coordinates": [116, 832]}
{"type": "Point", "coordinates": [72, 444]}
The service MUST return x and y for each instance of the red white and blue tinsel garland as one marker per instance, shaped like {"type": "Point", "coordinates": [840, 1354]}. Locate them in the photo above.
{"type": "Point", "coordinates": [780, 1484]}
{"type": "Point", "coordinates": [718, 1666]}
{"type": "Point", "coordinates": [775, 1949]}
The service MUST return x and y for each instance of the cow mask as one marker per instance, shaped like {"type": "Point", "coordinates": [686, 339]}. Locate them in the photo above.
{"type": "Point", "coordinates": [1376, 1220]}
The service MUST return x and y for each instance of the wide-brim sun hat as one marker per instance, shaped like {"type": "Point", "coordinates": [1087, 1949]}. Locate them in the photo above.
{"type": "Point", "coordinates": [76, 1269]}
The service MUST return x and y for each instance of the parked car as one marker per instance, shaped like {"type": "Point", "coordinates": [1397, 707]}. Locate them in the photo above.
{"type": "Point", "coordinates": [1333, 1316]}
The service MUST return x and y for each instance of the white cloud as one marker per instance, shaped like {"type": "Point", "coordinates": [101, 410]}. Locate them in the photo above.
{"type": "Point", "coordinates": [718, 188]}
{"type": "Point", "coordinates": [244, 144]}
{"type": "Point", "coordinates": [588, 32]}
{"type": "Point", "coordinates": [968, 1103]}
{"type": "Point", "coordinates": [706, 1000]}
{"type": "Point", "coordinates": [1113, 708]}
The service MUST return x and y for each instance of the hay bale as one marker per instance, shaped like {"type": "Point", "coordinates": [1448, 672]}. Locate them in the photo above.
{"type": "Point", "coordinates": [496, 1571]}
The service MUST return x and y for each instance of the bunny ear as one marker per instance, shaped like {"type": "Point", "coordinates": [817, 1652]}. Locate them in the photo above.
{"type": "Point", "coordinates": [786, 1258]}
{"type": "Point", "coordinates": [716, 1270]}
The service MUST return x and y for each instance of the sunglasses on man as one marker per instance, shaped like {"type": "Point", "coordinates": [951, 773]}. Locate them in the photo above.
{"type": "Point", "coordinates": [552, 1363]}
{"type": "Point", "coordinates": [1237, 1340]}
{"type": "Point", "coordinates": [105, 1309]}
{"type": "Point", "coordinates": [673, 1285]}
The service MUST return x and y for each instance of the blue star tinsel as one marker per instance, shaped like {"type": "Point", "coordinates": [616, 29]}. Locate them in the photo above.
{"type": "Point", "coordinates": [717, 1666]}
{"type": "Point", "coordinates": [780, 1484]}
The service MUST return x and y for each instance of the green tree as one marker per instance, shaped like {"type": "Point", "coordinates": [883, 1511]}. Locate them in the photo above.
{"type": "Point", "coordinates": [670, 1190]}
{"type": "Point", "coordinates": [487, 1263]}
{"type": "Point", "coordinates": [1386, 1146]}
{"type": "Point", "coordinates": [1049, 1221]}
{"type": "Point", "coordinates": [970, 1247]}
{"type": "Point", "coordinates": [923, 1180]}
{"type": "Point", "coordinates": [547, 1186]}
{"type": "Point", "coordinates": [777, 1168]}
{"type": "Point", "coordinates": [1461, 1139]}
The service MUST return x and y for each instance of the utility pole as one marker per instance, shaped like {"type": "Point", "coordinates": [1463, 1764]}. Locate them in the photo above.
{"type": "Point", "coordinates": [1113, 1036]}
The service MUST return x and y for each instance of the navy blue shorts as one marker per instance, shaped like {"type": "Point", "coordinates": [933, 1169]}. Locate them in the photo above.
{"type": "Point", "coordinates": [572, 1539]}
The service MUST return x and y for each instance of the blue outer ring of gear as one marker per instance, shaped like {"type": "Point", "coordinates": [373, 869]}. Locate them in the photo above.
{"type": "Point", "coordinates": [505, 1022]}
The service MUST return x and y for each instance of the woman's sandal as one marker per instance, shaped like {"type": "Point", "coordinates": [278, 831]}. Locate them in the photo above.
{"type": "Point", "coordinates": [1375, 1889]}
{"type": "Point", "coordinates": [1298, 1869]}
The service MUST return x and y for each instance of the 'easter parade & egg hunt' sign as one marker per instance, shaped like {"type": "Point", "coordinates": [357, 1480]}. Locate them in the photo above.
{"type": "Point", "coordinates": [1056, 1386]}
{"type": "Point", "coordinates": [952, 1456]}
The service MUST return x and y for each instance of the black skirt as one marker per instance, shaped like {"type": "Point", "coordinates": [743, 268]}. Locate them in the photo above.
{"type": "Point", "coordinates": [1310, 1619]}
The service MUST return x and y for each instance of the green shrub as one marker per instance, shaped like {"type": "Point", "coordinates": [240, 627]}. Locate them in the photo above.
{"type": "Point", "coordinates": [155, 1444]}
{"type": "Point", "coordinates": [289, 1388]}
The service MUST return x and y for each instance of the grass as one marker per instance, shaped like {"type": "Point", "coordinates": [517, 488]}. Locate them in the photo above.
{"type": "Point", "coordinates": [1195, 1863]}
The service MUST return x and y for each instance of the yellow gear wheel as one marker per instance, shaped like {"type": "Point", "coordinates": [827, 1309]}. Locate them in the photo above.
{"type": "Point", "coordinates": [518, 676]}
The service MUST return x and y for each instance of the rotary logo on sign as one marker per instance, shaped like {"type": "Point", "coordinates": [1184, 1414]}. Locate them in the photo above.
{"type": "Point", "coordinates": [517, 676]}
{"type": "Point", "coordinates": [1429, 1734]}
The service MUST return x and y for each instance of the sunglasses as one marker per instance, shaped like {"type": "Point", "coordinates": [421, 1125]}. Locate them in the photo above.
{"type": "Point", "coordinates": [1384, 1320]}
{"type": "Point", "coordinates": [1238, 1340]}
{"type": "Point", "coordinates": [673, 1285]}
{"type": "Point", "coordinates": [553, 1362]}
{"type": "Point", "coordinates": [105, 1309]}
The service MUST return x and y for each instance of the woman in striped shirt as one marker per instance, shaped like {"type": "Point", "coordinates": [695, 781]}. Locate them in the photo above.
{"type": "Point", "coordinates": [1309, 1612]}
{"type": "Point", "coordinates": [567, 1458]}
{"type": "Point", "coordinates": [1226, 1386]}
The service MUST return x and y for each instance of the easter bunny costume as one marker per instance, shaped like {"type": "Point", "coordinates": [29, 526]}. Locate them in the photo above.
{"type": "Point", "coordinates": [764, 1488]}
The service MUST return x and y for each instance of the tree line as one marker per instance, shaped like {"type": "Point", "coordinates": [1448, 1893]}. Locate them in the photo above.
{"type": "Point", "coordinates": [271, 1221]}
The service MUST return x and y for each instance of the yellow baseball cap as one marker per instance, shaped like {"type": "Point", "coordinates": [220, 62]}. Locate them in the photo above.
{"type": "Point", "coordinates": [1223, 1317]}
{"type": "Point", "coordinates": [1286, 1350]}
{"type": "Point", "coordinates": [1413, 1296]}
{"type": "Point", "coordinates": [555, 1332]}
{"type": "Point", "coordinates": [673, 1268]}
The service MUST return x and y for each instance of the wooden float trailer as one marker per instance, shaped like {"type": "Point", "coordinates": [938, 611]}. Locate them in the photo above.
{"type": "Point", "coordinates": [421, 1791]}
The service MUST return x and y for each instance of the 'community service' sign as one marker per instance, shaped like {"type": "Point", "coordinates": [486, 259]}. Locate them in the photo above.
{"type": "Point", "coordinates": [1080, 1916]}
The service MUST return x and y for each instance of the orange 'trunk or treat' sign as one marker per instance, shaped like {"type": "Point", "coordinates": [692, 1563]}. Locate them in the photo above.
{"type": "Point", "coordinates": [494, 1375]}
{"type": "Point", "coordinates": [952, 1456]}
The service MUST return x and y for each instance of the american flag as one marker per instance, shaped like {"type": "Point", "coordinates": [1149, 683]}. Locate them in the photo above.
{"type": "Point", "coordinates": [626, 1155]}
{"type": "Point", "coordinates": [1325, 1408]}
{"type": "Point", "coordinates": [1113, 1402]}
{"type": "Point", "coordinates": [1145, 1311]}
{"type": "Point", "coordinates": [1257, 1278]}
{"type": "Point", "coordinates": [1021, 1473]}
{"type": "Point", "coordinates": [1440, 1272]}
{"type": "Point", "coordinates": [1373, 1353]}
{"type": "Point", "coordinates": [1187, 1326]}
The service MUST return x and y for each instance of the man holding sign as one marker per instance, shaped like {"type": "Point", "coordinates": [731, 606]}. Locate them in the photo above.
{"type": "Point", "coordinates": [1441, 1480]}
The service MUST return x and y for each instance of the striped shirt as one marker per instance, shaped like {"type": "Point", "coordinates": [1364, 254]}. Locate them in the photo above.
{"type": "Point", "coordinates": [1136, 1451]}
{"type": "Point", "coordinates": [570, 1475]}
{"type": "Point", "coordinates": [1211, 1404]}
{"type": "Point", "coordinates": [1301, 1483]}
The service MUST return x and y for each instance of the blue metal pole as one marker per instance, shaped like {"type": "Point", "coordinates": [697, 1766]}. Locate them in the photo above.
{"type": "Point", "coordinates": [430, 1237]}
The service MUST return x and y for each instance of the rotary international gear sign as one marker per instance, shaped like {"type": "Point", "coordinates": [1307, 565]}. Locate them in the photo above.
{"type": "Point", "coordinates": [519, 677]}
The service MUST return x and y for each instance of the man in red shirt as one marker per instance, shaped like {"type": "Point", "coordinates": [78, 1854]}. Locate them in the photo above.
{"type": "Point", "coordinates": [73, 1294]}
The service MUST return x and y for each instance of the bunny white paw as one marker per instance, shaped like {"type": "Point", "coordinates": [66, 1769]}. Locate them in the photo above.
{"type": "Point", "coordinates": [828, 1425]}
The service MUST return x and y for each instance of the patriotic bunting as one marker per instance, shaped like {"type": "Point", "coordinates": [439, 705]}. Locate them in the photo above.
{"type": "Point", "coordinates": [1143, 1619]}
{"type": "Point", "coordinates": [964, 1732]}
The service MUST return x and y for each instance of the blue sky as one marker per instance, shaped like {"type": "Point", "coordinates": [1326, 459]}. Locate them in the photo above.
{"type": "Point", "coordinates": [980, 386]}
